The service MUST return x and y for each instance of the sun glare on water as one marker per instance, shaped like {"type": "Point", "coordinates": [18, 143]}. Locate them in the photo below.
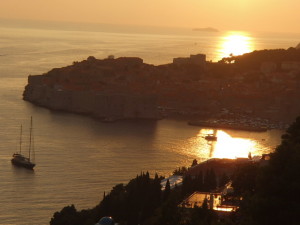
{"type": "Point", "coordinates": [235, 43]}
{"type": "Point", "coordinates": [227, 146]}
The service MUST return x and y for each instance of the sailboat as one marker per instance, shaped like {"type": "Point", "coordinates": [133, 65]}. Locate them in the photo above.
{"type": "Point", "coordinates": [18, 159]}
{"type": "Point", "coordinates": [211, 137]}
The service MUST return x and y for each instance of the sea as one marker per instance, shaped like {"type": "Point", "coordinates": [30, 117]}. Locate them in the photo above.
{"type": "Point", "coordinates": [78, 158]}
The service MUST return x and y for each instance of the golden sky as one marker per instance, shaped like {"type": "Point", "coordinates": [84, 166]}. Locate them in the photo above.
{"type": "Point", "coordinates": [249, 15]}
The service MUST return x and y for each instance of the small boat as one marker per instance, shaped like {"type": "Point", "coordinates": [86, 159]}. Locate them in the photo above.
{"type": "Point", "coordinates": [18, 159]}
{"type": "Point", "coordinates": [210, 137]}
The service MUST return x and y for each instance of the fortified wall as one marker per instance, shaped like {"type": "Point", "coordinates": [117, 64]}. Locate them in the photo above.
{"type": "Point", "coordinates": [107, 106]}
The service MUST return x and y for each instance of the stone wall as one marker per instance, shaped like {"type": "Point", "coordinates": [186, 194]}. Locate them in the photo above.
{"type": "Point", "coordinates": [101, 105]}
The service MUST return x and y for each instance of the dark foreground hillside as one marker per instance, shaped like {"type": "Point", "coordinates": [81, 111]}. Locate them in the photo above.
{"type": "Point", "coordinates": [266, 195]}
{"type": "Point", "coordinates": [275, 196]}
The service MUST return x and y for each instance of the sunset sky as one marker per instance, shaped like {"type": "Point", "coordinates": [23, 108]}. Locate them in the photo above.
{"type": "Point", "coordinates": [250, 15]}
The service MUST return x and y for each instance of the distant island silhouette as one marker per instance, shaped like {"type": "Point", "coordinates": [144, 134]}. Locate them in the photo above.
{"type": "Point", "coordinates": [206, 29]}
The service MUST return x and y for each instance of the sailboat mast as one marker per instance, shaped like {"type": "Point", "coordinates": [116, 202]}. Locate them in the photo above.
{"type": "Point", "coordinates": [21, 140]}
{"type": "Point", "coordinates": [30, 137]}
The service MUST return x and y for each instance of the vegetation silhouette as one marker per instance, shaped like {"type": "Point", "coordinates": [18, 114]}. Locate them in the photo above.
{"type": "Point", "coordinates": [272, 194]}
{"type": "Point", "coordinates": [267, 194]}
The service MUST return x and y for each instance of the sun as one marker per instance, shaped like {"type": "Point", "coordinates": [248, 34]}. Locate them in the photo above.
{"type": "Point", "coordinates": [235, 43]}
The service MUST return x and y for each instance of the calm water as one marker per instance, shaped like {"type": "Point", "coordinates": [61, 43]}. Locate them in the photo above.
{"type": "Point", "coordinates": [78, 158]}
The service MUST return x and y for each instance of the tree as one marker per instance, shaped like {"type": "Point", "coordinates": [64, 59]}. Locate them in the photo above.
{"type": "Point", "coordinates": [67, 216]}
{"type": "Point", "coordinates": [198, 182]}
{"type": "Point", "coordinates": [205, 204]}
{"type": "Point", "coordinates": [194, 163]}
{"type": "Point", "coordinates": [132, 204]}
{"type": "Point", "coordinates": [223, 180]}
{"type": "Point", "coordinates": [210, 180]}
{"type": "Point", "coordinates": [167, 190]}
{"type": "Point", "coordinates": [169, 212]}
{"type": "Point", "coordinates": [244, 179]}
{"type": "Point", "coordinates": [276, 197]}
{"type": "Point", "coordinates": [180, 171]}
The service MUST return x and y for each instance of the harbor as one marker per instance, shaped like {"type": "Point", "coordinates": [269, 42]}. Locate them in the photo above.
{"type": "Point", "coordinates": [246, 124]}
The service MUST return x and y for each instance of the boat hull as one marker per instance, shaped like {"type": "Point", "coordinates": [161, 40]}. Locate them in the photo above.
{"type": "Point", "coordinates": [27, 165]}
{"type": "Point", "coordinates": [211, 138]}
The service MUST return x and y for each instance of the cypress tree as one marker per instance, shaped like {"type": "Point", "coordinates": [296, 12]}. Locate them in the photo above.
{"type": "Point", "coordinates": [194, 163]}
{"type": "Point", "coordinates": [167, 190]}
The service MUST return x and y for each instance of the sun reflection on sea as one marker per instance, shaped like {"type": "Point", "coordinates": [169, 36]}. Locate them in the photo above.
{"type": "Point", "coordinates": [235, 43]}
{"type": "Point", "coordinates": [227, 146]}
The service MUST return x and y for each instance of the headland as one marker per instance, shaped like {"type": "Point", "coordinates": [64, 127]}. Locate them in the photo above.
{"type": "Point", "coordinates": [263, 85]}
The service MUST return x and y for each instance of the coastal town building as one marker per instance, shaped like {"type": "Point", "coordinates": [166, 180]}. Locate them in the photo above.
{"type": "Point", "coordinates": [213, 200]}
{"type": "Point", "coordinates": [198, 59]}
{"type": "Point", "coordinates": [198, 198]}
{"type": "Point", "coordinates": [291, 65]}
{"type": "Point", "coordinates": [268, 67]}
